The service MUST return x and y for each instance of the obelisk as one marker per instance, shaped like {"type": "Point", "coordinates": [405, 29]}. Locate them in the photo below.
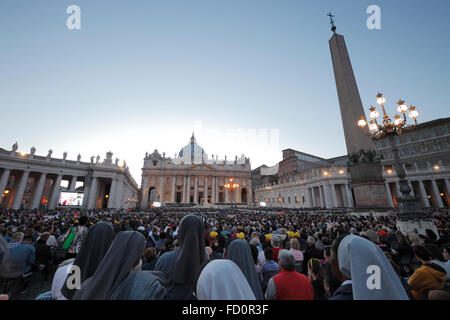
{"type": "Point", "coordinates": [367, 180]}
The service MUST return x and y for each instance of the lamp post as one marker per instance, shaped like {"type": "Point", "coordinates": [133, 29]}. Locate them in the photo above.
{"type": "Point", "coordinates": [409, 206]}
{"type": "Point", "coordinates": [231, 185]}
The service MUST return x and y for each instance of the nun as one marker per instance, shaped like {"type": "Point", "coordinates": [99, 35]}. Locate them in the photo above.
{"type": "Point", "coordinates": [239, 252]}
{"type": "Point", "coordinates": [119, 275]}
{"type": "Point", "coordinates": [180, 266]}
{"type": "Point", "coordinates": [3, 258]}
{"type": "Point", "coordinates": [93, 249]}
{"type": "Point", "coordinates": [367, 270]}
{"type": "Point", "coordinates": [223, 280]}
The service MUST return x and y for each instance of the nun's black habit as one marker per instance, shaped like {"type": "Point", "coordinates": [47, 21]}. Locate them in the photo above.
{"type": "Point", "coordinates": [239, 252]}
{"type": "Point", "coordinates": [93, 249]}
{"type": "Point", "coordinates": [181, 265]}
{"type": "Point", "coordinates": [114, 280]}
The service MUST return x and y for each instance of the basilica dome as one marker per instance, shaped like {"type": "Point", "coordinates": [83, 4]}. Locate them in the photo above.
{"type": "Point", "coordinates": [192, 152]}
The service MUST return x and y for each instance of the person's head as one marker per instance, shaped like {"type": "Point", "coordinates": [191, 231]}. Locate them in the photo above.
{"type": "Point", "coordinates": [311, 241]}
{"type": "Point", "coordinates": [4, 251]}
{"type": "Point", "coordinates": [255, 252]}
{"type": "Point", "coordinates": [44, 236]}
{"type": "Point", "coordinates": [27, 239]}
{"type": "Point", "coordinates": [83, 220]}
{"type": "Point", "coordinates": [275, 241]}
{"type": "Point", "coordinates": [422, 254]}
{"type": "Point", "coordinates": [334, 263]}
{"type": "Point", "coordinates": [286, 260]}
{"type": "Point", "coordinates": [221, 279]}
{"type": "Point", "coordinates": [414, 239]}
{"type": "Point", "coordinates": [446, 253]}
{"type": "Point", "coordinates": [268, 253]}
{"type": "Point", "coordinates": [294, 244]}
{"type": "Point", "coordinates": [314, 269]}
{"type": "Point", "coordinates": [155, 230]}
{"type": "Point", "coordinates": [330, 283]}
{"type": "Point", "coordinates": [401, 238]}
{"type": "Point", "coordinates": [254, 242]}
{"type": "Point", "coordinates": [150, 254]}
{"type": "Point", "coordinates": [327, 253]}
{"type": "Point", "coordinates": [430, 235]}
{"type": "Point", "coordinates": [162, 235]}
{"type": "Point", "coordinates": [17, 237]}
{"type": "Point", "coordinates": [435, 252]}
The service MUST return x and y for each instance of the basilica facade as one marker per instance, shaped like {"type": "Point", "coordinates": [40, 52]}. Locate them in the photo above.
{"type": "Point", "coordinates": [192, 177]}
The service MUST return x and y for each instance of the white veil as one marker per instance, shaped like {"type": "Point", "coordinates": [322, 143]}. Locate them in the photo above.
{"type": "Point", "coordinates": [372, 275]}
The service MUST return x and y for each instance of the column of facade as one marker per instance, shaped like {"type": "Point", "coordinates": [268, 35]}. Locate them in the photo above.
{"type": "Point", "coordinates": [333, 194]}
{"type": "Point", "coordinates": [397, 189]}
{"type": "Point", "coordinates": [249, 191]}
{"type": "Point", "coordinates": [411, 193]}
{"type": "Point", "coordinates": [174, 193]}
{"type": "Point", "coordinates": [436, 194]}
{"type": "Point", "coordinates": [112, 194]}
{"type": "Point", "coordinates": [213, 189]}
{"type": "Point", "coordinates": [349, 196]}
{"type": "Point", "coordinates": [313, 197]}
{"type": "Point", "coordinates": [120, 195]}
{"type": "Point", "coordinates": [237, 192]}
{"type": "Point", "coordinates": [20, 190]}
{"type": "Point", "coordinates": [4, 181]}
{"type": "Point", "coordinates": [93, 194]}
{"type": "Point", "coordinates": [37, 194]}
{"type": "Point", "coordinates": [226, 193]}
{"type": "Point", "coordinates": [423, 194]}
{"type": "Point", "coordinates": [322, 197]}
{"type": "Point", "coordinates": [86, 190]}
{"type": "Point", "coordinates": [326, 191]}
{"type": "Point", "coordinates": [55, 193]}
{"type": "Point", "coordinates": [389, 196]}
{"type": "Point", "coordinates": [161, 188]}
{"type": "Point", "coordinates": [196, 189]}
{"type": "Point", "coordinates": [73, 183]}
{"type": "Point", "coordinates": [206, 190]}
{"type": "Point", "coordinates": [183, 197]}
{"type": "Point", "coordinates": [217, 189]}
{"type": "Point", "coordinates": [144, 190]}
{"type": "Point", "coordinates": [447, 187]}
{"type": "Point", "coordinates": [188, 197]}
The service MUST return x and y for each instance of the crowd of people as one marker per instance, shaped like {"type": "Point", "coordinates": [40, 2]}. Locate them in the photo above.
{"type": "Point", "coordinates": [183, 253]}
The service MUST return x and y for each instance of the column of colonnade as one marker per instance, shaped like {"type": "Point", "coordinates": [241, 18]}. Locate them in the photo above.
{"type": "Point", "coordinates": [21, 180]}
{"type": "Point", "coordinates": [422, 192]}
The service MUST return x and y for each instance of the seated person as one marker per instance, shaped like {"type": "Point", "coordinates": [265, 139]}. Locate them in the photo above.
{"type": "Point", "coordinates": [21, 250]}
{"type": "Point", "coordinates": [429, 276]}
{"type": "Point", "coordinates": [269, 268]}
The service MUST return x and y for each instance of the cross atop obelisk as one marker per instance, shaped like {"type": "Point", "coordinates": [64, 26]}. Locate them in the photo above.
{"type": "Point", "coordinates": [333, 27]}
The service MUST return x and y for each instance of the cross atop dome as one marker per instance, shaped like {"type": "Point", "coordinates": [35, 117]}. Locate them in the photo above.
{"type": "Point", "coordinates": [193, 137]}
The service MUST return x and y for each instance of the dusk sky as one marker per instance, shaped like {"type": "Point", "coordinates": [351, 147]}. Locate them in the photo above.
{"type": "Point", "coordinates": [143, 74]}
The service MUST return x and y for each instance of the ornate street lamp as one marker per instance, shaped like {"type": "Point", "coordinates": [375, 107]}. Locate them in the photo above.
{"type": "Point", "coordinates": [388, 126]}
{"type": "Point", "coordinates": [391, 128]}
{"type": "Point", "coordinates": [231, 185]}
